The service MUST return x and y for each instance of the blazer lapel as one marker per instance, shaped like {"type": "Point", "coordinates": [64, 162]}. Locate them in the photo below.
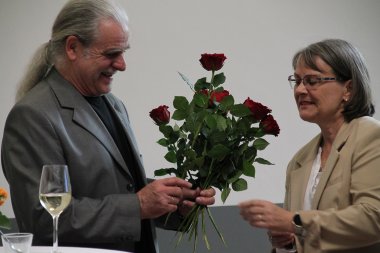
{"type": "Point", "coordinates": [330, 165]}
{"type": "Point", "coordinates": [300, 176]}
{"type": "Point", "coordinates": [84, 115]}
{"type": "Point", "coordinates": [332, 160]}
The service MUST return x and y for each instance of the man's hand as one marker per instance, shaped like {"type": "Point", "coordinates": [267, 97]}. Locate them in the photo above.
{"type": "Point", "coordinates": [162, 196]}
{"type": "Point", "coordinates": [191, 197]}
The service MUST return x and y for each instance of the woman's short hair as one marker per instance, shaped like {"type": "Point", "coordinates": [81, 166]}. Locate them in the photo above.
{"type": "Point", "coordinates": [347, 63]}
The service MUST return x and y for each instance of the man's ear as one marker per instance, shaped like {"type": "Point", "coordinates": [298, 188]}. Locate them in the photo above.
{"type": "Point", "coordinates": [72, 47]}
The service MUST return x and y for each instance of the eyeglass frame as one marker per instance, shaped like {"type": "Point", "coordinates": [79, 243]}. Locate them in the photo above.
{"type": "Point", "coordinates": [319, 80]}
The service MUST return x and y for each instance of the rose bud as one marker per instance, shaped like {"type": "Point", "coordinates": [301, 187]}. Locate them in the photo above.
{"type": "Point", "coordinates": [160, 115]}
{"type": "Point", "coordinates": [212, 62]}
{"type": "Point", "coordinates": [270, 126]}
{"type": "Point", "coordinates": [217, 96]}
{"type": "Point", "coordinates": [204, 92]}
{"type": "Point", "coordinates": [258, 110]}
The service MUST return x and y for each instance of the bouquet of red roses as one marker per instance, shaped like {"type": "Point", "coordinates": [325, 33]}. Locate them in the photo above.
{"type": "Point", "coordinates": [218, 141]}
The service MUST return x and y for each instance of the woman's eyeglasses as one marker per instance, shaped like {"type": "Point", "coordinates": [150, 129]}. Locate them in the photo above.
{"type": "Point", "coordinates": [310, 80]}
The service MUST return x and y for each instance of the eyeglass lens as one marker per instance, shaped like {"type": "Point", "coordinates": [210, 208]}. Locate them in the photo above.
{"type": "Point", "coordinates": [309, 80]}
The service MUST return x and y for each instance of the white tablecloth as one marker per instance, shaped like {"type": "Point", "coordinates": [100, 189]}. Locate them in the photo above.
{"type": "Point", "coordinates": [46, 249]}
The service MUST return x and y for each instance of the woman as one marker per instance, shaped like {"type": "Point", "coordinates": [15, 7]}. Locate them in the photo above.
{"type": "Point", "coordinates": [332, 201]}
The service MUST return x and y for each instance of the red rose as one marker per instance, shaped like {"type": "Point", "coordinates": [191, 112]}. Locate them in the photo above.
{"type": "Point", "coordinates": [160, 115]}
{"type": "Point", "coordinates": [212, 61]}
{"type": "Point", "coordinates": [270, 126]}
{"type": "Point", "coordinates": [217, 96]}
{"type": "Point", "coordinates": [258, 110]}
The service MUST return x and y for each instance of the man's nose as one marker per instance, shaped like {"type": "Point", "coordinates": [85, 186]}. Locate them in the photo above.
{"type": "Point", "coordinates": [119, 63]}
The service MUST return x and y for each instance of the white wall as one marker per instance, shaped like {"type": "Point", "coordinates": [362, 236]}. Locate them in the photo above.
{"type": "Point", "coordinates": [259, 38]}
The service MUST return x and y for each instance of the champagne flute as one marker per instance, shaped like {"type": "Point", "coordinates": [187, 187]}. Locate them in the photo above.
{"type": "Point", "coordinates": [55, 194]}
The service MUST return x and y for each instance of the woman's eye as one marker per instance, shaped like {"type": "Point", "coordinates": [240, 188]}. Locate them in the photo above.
{"type": "Point", "coordinates": [312, 80]}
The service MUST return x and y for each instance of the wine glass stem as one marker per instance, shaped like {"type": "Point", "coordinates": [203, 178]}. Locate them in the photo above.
{"type": "Point", "coordinates": [55, 234]}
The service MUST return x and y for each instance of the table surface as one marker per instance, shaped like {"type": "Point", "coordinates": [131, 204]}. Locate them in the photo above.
{"type": "Point", "coordinates": [47, 249]}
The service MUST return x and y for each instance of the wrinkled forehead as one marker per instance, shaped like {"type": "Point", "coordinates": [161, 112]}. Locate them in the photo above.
{"type": "Point", "coordinates": [111, 34]}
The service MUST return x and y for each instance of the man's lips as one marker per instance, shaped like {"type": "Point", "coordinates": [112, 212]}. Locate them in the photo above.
{"type": "Point", "coordinates": [107, 74]}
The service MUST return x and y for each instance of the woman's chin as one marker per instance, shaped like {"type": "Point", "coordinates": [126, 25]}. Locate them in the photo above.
{"type": "Point", "coordinates": [307, 117]}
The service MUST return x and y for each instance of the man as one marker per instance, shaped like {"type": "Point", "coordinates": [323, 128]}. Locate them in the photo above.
{"type": "Point", "coordinates": [65, 114]}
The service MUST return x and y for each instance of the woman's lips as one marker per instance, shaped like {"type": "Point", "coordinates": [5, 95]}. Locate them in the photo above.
{"type": "Point", "coordinates": [305, 103]}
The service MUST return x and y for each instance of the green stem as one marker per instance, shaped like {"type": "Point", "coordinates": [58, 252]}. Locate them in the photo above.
{"type": "Point", "coordinates": [207, 182]}
{"type": "Point", "coordinates": [204, 231]}
{"type": "Point", "coordinates": [216, 228]}
{"type": "Point", "coordinates": [196, 135]}
{"type": "Point", "coordinates": [212, 79]}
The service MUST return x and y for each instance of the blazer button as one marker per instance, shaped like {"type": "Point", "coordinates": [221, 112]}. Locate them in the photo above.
{"type": "Point", "coordinates": [130, 187]}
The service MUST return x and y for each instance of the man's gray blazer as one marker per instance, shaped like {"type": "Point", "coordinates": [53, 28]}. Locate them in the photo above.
{"type": "Point", "coordinates": [54, 124]}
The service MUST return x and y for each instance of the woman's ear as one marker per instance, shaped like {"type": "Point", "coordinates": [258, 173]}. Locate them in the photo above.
{"type": "Point", "coordinates": [347, 90]}
{"type": "Point", "coordinates": [72, 47]}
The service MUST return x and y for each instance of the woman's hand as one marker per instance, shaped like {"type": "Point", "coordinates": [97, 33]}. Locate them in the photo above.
{"type": "Point", "coordinates": [265, 214]}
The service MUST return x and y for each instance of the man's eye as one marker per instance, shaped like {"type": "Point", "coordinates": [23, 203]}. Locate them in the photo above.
{"type": "Point", "coordinates": [112, 55]}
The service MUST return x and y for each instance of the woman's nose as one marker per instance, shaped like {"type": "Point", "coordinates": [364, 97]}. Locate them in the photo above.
{"type": "Point", "coordinates": [301, 88]}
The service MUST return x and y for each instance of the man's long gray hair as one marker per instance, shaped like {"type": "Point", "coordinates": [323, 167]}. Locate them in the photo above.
{"type": "Point", "coordinates": [79, 18]}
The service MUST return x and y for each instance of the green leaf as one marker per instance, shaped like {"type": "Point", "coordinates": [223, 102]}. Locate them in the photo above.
{"type": "Point", "coordinates": [211, 121]}
{"type": "Point", "coordinates": [218, 151]}
{"type": "Point", "coordinates": [219, 79]}
{"type": "Point", "coordinates": [248, 169]}
{"type": "Point", "coordinates": [235, 176]}
{"type": "Point", "coordinates": [250, 153]}
{"type": "Point", "coordinates": [199, 161]}
{"type": "Point", "coordinates": [181, 103]}
{"type": "Point", "coordinates": [200, 100]}
{"type": "Point", "coordinates": [221, 123]}
{"type": "Point", "coordinates": [173, 137]}
{"type": "Point", "coordinates": [227, 102]}
{"type": "Point", "coordinates": [179, 115]}
{"type": "Point", "coordinates": [163, 142]}
{"type": "Point", "coordinates": [244, 125]}
{"type": "Point", "coordinates": [171, 157]}
{"type": "Point", "coordinates": [240, 110]}
{"type": "Point", "coordinates": [4, 221]}
{"type": "Point", "coordinates": [225, 193]}
{"type": "Point", "coordinates": [201, 84]}
{"type": "Point", "coordinates": [243, 148]}
{"type": "Point", "coordinates": [166, 130]}
{"type": "Point", "coordinates": [260, 144]}
{"type": "Point", "coordinates": [263, 161]}
{"type": "Point", "coordinates": [190, 154]}
{"type": "Point", "coordinates": [240, 185]}
{"type": "Point", "coordinates": [217, 137]}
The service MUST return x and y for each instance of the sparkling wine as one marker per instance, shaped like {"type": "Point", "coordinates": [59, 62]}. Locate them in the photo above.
{"type": "Point", "coordinates": [55, 203]}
